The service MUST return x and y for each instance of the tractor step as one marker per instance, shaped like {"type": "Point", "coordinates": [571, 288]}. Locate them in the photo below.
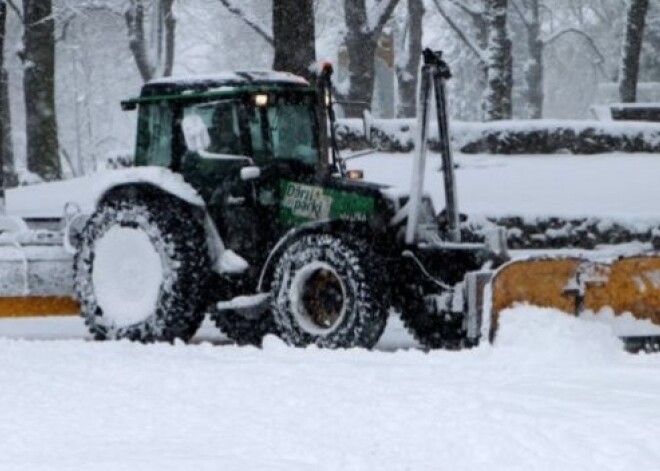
{"type": "Point", "coordinates": [250, 307]}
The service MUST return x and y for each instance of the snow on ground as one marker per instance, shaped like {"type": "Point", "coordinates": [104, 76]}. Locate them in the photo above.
{"type": "Point", "coordinates": [555, 393]}
{"type": "Point", "coordinates": [620, 186]}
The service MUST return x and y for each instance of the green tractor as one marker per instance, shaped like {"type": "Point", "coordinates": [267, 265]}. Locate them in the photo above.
{"type": "Point", "coordinates": [239, 206]}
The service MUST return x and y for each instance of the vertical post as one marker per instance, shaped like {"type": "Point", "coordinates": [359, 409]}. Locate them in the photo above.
{"type": "Point", "coordinates": [419, 163]}
{"type": "Point", "coordinates": [440, 74]}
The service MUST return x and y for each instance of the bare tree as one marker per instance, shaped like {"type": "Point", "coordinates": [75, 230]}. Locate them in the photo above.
{"type": "Point", "coordinates": [38, 58]}
{"type": "Point", "coordinates": [294, 36]}
{"type": "Point", "coordinates": [252, 23]}
{"type": "Point", "coordinates": [407, 62]}
{"type": "Point", "coordinates": [364, 28]}
{"type": "Point", "coordinates": [632, 47]}
{"type": "Point", "coordinates": [151, 33]}
{"type": "Point", "coordinates": [529, 11]}
{"type": "Point", "coordinates": [6, 151]}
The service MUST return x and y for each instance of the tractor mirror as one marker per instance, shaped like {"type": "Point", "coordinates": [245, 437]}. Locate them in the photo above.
{"type": "Point", "coordinates": [195, 133]}
{"type": "Point", "coordinates": [367, 121]}
{"type": "Point", "coordinates": [250, 173]}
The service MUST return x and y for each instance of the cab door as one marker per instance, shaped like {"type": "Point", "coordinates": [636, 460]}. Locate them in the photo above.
{"type": "Point", "coordinates": [217, 147]}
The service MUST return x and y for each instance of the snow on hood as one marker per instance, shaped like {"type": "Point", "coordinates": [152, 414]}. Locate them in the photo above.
{"type": "Point", "coordinates": [48, 200]}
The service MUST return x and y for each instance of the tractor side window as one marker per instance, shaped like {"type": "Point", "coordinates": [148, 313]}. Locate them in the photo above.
{"type": "Point", "coordinates": [154, 140]}
{"type": "Point", "coordinates": [213, 129]}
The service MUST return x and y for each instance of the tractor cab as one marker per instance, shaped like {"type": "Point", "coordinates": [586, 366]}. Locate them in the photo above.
{"type": "Point", "coordinates": [235, 138]}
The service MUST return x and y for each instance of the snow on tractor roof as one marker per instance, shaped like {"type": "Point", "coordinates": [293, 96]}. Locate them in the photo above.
{"type": "Point", "coordinates": [221, 83]}
{"type": "Point", "coordinates": [203, 83]}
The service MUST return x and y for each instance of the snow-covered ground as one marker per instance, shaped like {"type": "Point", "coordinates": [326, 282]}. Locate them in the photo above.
{"type": "Point", "coordinates": [619, 186]}
{"type": "Point", "coordinates": [553, 393]}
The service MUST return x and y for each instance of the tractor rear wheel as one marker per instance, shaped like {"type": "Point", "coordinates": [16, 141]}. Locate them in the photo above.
{"type": "Point", "coordinates": [326, 292]}
{"type": "Point", "coordinates": [141, 269]}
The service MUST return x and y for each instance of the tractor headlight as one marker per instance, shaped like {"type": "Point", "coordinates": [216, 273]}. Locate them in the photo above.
{"type": "Point", "coordinates": [261, 100]}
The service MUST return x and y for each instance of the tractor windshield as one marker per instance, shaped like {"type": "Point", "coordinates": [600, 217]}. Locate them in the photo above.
{"type": "Point", "coordinates": [284, 127]}
{"type": "Point", "coordinates": [264, 126]}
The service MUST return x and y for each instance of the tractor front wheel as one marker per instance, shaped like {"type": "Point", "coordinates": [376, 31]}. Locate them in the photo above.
{"type": "Point", "coordinates": [326, 292]}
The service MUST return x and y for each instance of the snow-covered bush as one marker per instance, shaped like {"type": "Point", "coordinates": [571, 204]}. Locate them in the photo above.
{"type": "Point", "coordinates": [508, 137]}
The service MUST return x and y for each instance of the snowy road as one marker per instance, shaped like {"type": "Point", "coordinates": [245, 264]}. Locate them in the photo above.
{"type": "Point", "coordinates": [554, 393]}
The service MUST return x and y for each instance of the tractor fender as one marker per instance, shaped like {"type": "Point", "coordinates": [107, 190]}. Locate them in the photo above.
{"type": "Point", "coordinates": [159, 177]}
{"type": "Point", "coordinates": [316, 227]}
{"type": "Point", "coordinates": [163, 180]}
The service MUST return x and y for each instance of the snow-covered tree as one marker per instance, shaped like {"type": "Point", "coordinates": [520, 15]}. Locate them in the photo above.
{"type": "Point", "coordinates": [497, 98]}
{"type": "Point", "coordinates": [490, 43]}
{"type": "Point", "coordinates": [632, 47]}
{"type": "Point", "coordinates": [529, 14]}
{"type": "Point", "coordinates": [408, 58]}
{"type": "Point", "coordinates": [151, 32]}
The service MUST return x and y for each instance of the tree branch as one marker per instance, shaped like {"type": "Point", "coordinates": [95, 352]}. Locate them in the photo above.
{"type": "Point", "coordinates": [520, 13]}
{"type": "Point", "coordinates": [466, 9]}
{"type": "Point", "coordinates": [385, 16]}
{"type": "Point", "coordinates": [252, 24]}
{"type": "Point", "coordinates": [549, 40]}
{"type": "Point", "coordinates": [459, 32]}
{"type": "Point", "coordinates": [17, 10]}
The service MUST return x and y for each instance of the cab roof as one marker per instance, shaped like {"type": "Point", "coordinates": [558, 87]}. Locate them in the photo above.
{"type": "Point", "coordinates": [222, 83]}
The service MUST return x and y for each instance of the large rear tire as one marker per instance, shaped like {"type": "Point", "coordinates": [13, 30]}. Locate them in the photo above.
{"type": "Point", "coordinates": [142, 268]}
{"type": "Point", "coordinates": [326, 292]}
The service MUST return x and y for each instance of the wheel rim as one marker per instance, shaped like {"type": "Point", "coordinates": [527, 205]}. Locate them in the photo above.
{"type": "Point", "coordinates": [127, 276]}
{"type": "Point", "coordinates": [318, 298]}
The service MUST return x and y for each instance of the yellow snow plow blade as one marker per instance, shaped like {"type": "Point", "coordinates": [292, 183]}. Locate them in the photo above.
{"type": "Point", "coordinates": [36, 280]}
{"type": "Point", "coordinates": [38, 306]}
{"type": "Point", "coordinates": [628, 284]}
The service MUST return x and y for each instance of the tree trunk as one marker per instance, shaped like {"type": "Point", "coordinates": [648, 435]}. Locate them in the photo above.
{"type": "Point", "coordinates": [39, 89]}
{"type": "Point", "coordinates": [6, 150]}
{"type": "Point", "coordinates": [534, 67]}
{"type": "Point", "coordinates": [632, 47]}
{"type": "Point", "coordinates": [408, 71]}
{"type": "Point", "coordinates": [361, 47]}
{"type": "Point", "coordinates": [153, 53]}
{"type": "Point", "coordinates": [8, 173]}
{"type": "Point", "coordinates": [499, 85]}
{"type": "Point", "coordinates": [294, 36]}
